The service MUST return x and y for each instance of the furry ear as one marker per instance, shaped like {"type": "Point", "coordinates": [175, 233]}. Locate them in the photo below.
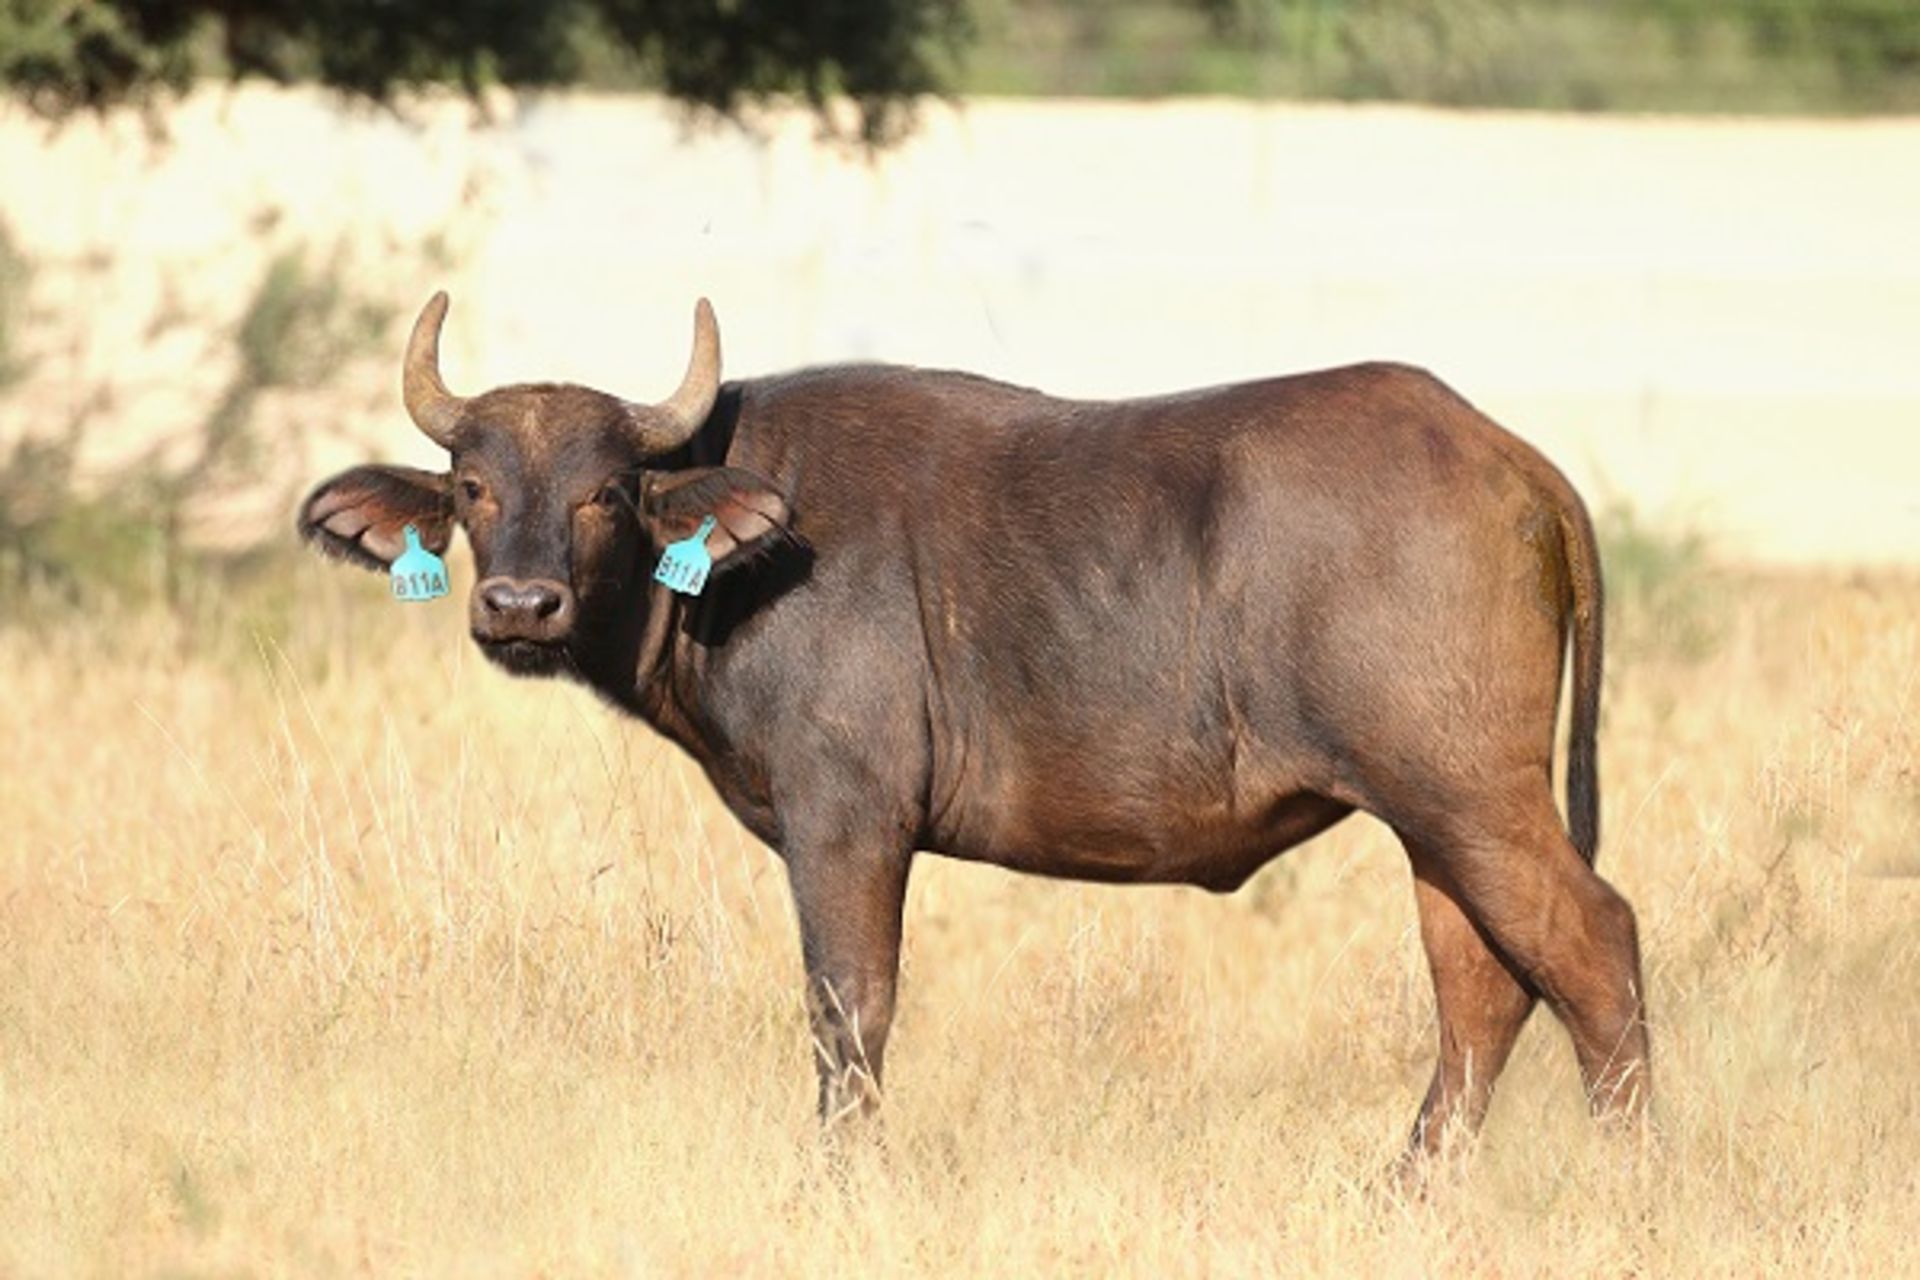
{"type": "Point", "coordinates": [750, 516]}
{"type": "Point", "coordinates": [361, 515]}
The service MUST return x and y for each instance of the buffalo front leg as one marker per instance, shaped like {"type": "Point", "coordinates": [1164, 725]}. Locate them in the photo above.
{"type": "Point", "coordinates": [849, 900]}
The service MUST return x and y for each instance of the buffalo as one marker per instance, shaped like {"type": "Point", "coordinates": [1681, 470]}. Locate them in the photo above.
{"type": "Point", "coordinates": [1153, 640]}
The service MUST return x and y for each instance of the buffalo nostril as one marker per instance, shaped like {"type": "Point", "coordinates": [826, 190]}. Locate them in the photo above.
{"type": "Point", "coordinates": [545, 601]}
{"type": "Point", "coordinates": [499, 597]}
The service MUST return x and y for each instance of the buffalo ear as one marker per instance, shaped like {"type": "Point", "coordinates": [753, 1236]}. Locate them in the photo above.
{"type": "Point", "coordinates": [361, 515]}
{"type": "Point", "coordinates": [750, 515]}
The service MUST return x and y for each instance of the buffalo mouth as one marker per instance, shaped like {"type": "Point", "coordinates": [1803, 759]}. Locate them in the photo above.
{"type": "Point", "coordinates": [525, 657]}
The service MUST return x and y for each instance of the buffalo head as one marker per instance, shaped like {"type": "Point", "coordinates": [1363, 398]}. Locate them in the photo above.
{"type": "Point", "coordinates": [566, 495]}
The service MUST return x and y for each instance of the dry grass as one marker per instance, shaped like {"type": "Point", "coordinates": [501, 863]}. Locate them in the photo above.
{"type": "Point", "coordinates": [344, 954]}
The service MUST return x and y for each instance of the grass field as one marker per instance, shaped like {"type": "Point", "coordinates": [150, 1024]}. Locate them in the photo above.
{"type": "Point", "coordinates": [325, 949]}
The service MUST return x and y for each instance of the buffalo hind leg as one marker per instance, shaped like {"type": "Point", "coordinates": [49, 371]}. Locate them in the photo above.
{"type": "Point", "coordinates": [1569, 934]}
{"type": "Point", "coordinates": [1481, 1005]}
{"type": "Point", "coordinates": [849, 901]}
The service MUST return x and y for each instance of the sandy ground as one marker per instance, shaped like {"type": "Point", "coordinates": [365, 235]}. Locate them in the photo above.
{"type": "Point", "coordinates": [1718, 321]}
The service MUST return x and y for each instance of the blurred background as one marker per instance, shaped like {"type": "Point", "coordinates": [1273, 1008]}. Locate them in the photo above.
{"type": "Point", "coordinates": [1673, 243]}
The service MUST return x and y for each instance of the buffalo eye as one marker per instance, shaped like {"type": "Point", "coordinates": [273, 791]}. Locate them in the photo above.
{"type": "Point", "coordinates": [472, 489]}
{"type": "Point", "coordinates": [612, 496]}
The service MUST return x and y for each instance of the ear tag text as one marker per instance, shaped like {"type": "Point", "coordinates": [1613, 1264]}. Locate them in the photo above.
{"type": "Point", "coordinates": [684, 565]}
{"type": "Point", "coordinates": [418, 574]}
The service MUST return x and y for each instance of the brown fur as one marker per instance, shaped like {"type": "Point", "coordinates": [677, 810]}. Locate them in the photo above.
{"type": "Point", "coordinates": [1152, 640]}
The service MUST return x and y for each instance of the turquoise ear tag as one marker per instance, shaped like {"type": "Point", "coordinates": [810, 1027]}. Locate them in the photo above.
{"type": "Point", "coordinates": [418, 574]}
{"type": "Point", "coordinates": [684, 565]}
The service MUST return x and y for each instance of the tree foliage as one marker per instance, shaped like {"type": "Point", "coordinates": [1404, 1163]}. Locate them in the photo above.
{"type": "Point", "coordinates": [1584, 55]}
{"type": "Point", "coordinates": [1849, 55]}
{"type": "Point", "coordinates": [62, 55]}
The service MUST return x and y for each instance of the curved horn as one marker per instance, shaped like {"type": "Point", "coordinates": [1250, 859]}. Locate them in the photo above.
{"type": "Point", "coordinates": [666, 426]}
{"type": "Point", "coordinates": [433, 408]}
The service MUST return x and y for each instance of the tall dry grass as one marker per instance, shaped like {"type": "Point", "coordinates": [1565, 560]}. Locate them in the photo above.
{"type": "Point", "coordinates": [338, 952]}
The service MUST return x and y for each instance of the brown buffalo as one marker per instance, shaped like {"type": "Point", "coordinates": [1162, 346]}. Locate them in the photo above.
{"type": "Point", "coordinates": [1158, 640]}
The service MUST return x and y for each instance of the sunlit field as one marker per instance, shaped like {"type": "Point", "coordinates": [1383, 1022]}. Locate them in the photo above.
{"type": "Point", "coordinates": [325, 948]}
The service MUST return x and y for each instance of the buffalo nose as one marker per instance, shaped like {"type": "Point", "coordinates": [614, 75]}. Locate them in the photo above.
{"type": "Point", "coordinates": [527, 599]}
{"type": "Point", "coordinates": [516, 609]}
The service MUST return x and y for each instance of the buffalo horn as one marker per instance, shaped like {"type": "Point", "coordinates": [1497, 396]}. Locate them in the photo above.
{"type": "Point", "coordinates": [433, 408]}
{"type": "Point", "coordinates": [666, 426]}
